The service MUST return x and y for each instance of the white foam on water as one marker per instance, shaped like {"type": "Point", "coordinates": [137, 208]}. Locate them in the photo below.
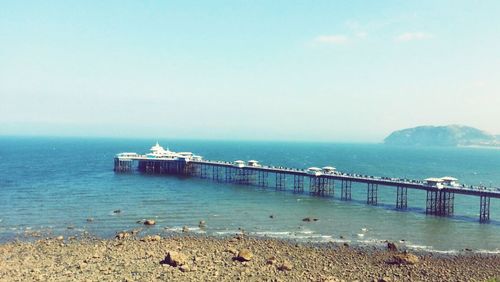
{"type": "Point", "coordinates": [192, 229]}
{"type": "Point", "coordinates": [305, 231]}
{"type": "Point", "coordinates": [370, 242]}
{"type": "Point", "coordinates": [272, 233]}
{"type": "Point", "coordinates": [492, 252]}
{"type": "Point", "coordinates": [230, 232]}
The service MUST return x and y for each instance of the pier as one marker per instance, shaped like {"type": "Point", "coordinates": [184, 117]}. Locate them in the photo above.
{"type": "Point", "coordinates": [320, 182]}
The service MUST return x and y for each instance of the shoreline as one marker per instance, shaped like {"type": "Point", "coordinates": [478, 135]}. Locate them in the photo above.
{"type": "Point", "coordinates": [129, 257]}
{"type": "Point", "coordinates": [298, 236]}
{"type": "Point", "coordinates": [33, 235]}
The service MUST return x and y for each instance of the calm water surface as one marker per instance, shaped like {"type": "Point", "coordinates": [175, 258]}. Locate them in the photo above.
{"type": "Point", "coordinates": [55, 184]}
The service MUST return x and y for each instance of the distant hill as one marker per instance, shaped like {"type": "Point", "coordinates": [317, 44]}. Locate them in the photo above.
{"type": "Point", "coordinates": [450, 135]}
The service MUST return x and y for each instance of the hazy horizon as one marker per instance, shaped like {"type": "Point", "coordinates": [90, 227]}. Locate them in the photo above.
{"type": "Point", "coordinates": [232, 70]}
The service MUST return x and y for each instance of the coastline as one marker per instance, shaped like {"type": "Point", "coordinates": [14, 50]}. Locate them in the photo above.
{"type": "Point", "coordinates": [130, 258]}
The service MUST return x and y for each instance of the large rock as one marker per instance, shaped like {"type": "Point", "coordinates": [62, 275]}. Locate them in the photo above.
{"type": "Point", "coordinates": [392, 247]}
{"type": "Point", "coordinates": [405, 258]}
{"type": "Point", "coordinates": [244, 255]}
{"type": "Point", "coordinates": [175, 259]}
{"type": "Point", "coordinates": [149, 222]}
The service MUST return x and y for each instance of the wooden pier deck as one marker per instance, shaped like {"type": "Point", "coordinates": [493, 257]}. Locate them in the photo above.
{"type": "Point", "coordinates": [439, 202]}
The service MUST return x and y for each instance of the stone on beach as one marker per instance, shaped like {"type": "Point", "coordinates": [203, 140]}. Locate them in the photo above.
{"type": "Point", "coordinates": [392, 246]}
{"type": "Point", "coordinates": [285, 266]}
{"type": "Point", "coordinates": [175, 259]}
{"type": "Point", "coordinates": [154, 238]}
{"type": "Point", "coordinates": [232, 251]}
{"type": "Point", "coordinates": [122, 235]}
{"type": "Point", "coordinates": [405, 258]}
{"type": "Point", "coordinates": [244, 255]}
{"type": "Point", "coordinates": [271, 261]}
{"type": "Point", "coordinates": [149, 222]}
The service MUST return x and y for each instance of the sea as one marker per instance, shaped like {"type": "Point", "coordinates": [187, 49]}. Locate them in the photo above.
{"type": "Point", "coordinates": [66, 186]}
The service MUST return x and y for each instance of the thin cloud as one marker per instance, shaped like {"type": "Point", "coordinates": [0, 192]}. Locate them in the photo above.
{"type": "Point", "coordinates": [331, 39]}
{"type": "Point", "coordinates": [413, 36]}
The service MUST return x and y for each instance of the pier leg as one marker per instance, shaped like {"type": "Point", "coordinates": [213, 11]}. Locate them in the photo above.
{"type": "Point", "coordinates": [298, 183]}
{"type": "Point", "coordinates": [320, 186]}
{"type": "Point", "coordinates": [345, 190]}
{"type": "Point", "coordinates": [262, 180]}
{"type": "Point", "coordinates": [314, 185]}
{"type": "Point", "coordinates": [215, 173]}
{"type": "Point", "coordinates": [203, 171]}
{"type": "Point", "coordinates": [280, 181]}
{"type": "Point", "coordinates": [402, 198]}
{"type": "Point", "coordinates": [243, 176]}
{"type": "Point", "coordinates": [484, 209]}
{"type": "Point", "coordinates": [440, 203]}
{"type": "Point", "coordinates": [150, 167]}
{"type": "Point", "coordinates": [123, 165]}
{"type": "Point", "coordinates": [371, 196]}
{"type": "Point", "coordinates": [228, 173]}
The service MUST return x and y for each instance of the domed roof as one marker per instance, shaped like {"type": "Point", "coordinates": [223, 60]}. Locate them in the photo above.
{"type": "Point", "coordinates": [157, 147]}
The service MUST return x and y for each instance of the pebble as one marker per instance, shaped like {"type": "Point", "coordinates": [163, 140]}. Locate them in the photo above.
{"type": "Point", "coordinates": [285, 266]}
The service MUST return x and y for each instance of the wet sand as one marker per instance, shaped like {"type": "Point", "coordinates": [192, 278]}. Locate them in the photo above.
{"type": "Point", "coordinates": [202, 258]}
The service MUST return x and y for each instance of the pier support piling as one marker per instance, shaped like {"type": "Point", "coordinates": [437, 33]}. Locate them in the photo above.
{"type": "Point", "coordinates": [203, 171]}
{"type": "Point", "coordinates": [320, 186]}
{"type": "Point", "coordinates": [372, 194]}
{"type": "Point", "coordinates": [123, 165]}
{"type": "Point", "coordinates": [484, 209]}
{"type": "Point", "coordinates": [228, 174]}
{"type": "Point", "coordinates": [216, 173]}
{"type": "Point", "coordinates": [262, 179]}
{"type": "Point", "coordinates": [280, 183]}
{"type": "Point", "coordinates": [440, 203]}
{"type": "Point", "coordinates": [345, 190]}
{"type": "Point", "coordinates": [402, 198]}
{"type": "Point", "coordinates": [298, 183]}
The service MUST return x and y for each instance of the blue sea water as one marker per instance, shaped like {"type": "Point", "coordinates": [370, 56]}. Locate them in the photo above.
{"type": "Point", "coordinates": [55, 184]}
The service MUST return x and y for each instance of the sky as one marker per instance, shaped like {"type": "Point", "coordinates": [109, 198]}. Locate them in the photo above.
{"type": "Point", "coordinates": [346, 71]}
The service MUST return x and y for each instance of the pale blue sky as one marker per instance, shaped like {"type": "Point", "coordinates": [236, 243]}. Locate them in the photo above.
{"type": "Point", "coordinates": [300, 70]}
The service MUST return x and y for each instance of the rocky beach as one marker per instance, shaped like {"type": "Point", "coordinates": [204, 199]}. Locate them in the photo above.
{"type": "Point", "coordinates": [130, 257]}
